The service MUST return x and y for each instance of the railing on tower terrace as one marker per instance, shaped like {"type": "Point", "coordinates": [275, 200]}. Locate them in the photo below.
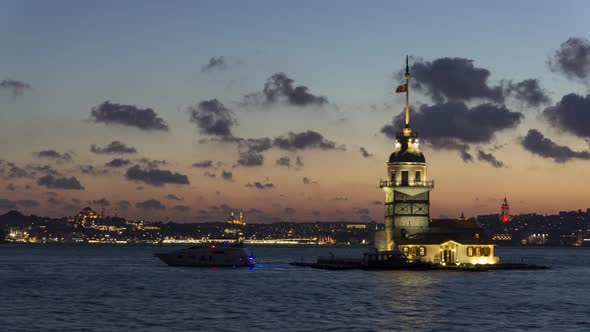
{"type": "Point", "coordinates": [386, 183]}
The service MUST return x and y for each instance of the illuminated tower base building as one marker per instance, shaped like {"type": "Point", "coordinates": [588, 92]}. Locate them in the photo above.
{"type": "Point", "coordinates": [408, 226]}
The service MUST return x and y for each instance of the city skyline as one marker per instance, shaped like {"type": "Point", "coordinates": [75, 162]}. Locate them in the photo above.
{"type": "Point", "coordinates": [205, 108]}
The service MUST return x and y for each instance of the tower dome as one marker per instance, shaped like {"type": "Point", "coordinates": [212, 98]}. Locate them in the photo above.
{"type": "Point", "coordinates": [407, 156]}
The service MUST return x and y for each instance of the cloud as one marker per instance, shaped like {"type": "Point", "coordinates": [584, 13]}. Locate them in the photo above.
{"type": "Point", "coordinates": [102, 201]}
{"type": "Point", "coordinates": [488, 157]}
{"type": "Point", "coordinates": [55, 182]}
{"type": "Point", "coordinates": [152, 163]}
{"type": "Point", "coordinates": [128, 115]}
{"type": "Point", "coordinates": [376, 203]}
{"type": "Point", "coordinates": [316, 213]}
{"type": "Point", "coordinates": [362, 211]}
{"type": "Point", "coordinates": [284, 161]}
{"type": "Point", "coordinates": [182, 208]}
{"type": "Point", "coordinates": [572, 59]}
{"type": "Point", "coordinates": [16, 87]}
{"type": "Point", "coordinates": [203, 164]}
{"type": "Point", "coordinates": [173, 197]}
{"type": "Point", "coordinates": [289, 211]}
{"type": "Point", "coordinates": [307, 180]}
{"type": "Point", "coordinates": [279, 89]}
{"type": "Point", "coordinates": [52, 154]}
{"type": "Point", "coordinates": [209, 174]}
{"type": "Point", "coordinates": [340, 198]}
{"type": "Point", "coordinates": [305, 140]}
{"type": "Point", "coordinates": [123, 205]}
{"type": "Point", "coordinates": [115, 147]}
{"type": "Point", "coordinates": [453, 125]}
{"type": "Point", "coordinates": [250, 151]}
{"type": "Point", "coordinates": [91, 170]}
{"type": "Point", "coordinates": [571, 114]}
{"type": "Point", "coordinates": [9, 170]}
{"type": "Point", "coordinates": [44, 169]}
{"type": "Point", "coordinates": [528, 91]}
{"type": "Point", "coordinates": [455, 79]}
{"type": "Point", "coordinates": [537, 143]}
{"type": "Point", "coordinates": [226, 175]}
{"type": "Point", "coordinates": [214, 63]}
{"type": "Point", "coordinates": [118, 162]}
{"type": "Point", "coordinates": [259, 185]}
{"type": "Point", "coordinates": [299, 162]}
{"type": "Point", "coordinates": [212, 118]}
{"type": "Point", "coordinates": [155, 177]}
{"type": "Point", "coordinates": [10, 204]}
{"type": "Point", "coordinates": [150, 204]}
{"type": "Point", "coordinates": [11, 187]}
{"type": "Point", "coordinates": [365, 153]}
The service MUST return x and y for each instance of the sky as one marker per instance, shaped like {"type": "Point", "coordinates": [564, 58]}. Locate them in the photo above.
{"type": "Point", "coordinates": [187, 110]}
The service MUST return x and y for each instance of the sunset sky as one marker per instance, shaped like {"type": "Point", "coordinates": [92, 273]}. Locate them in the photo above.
{"type": "Point", "coordinates": [184, 110]}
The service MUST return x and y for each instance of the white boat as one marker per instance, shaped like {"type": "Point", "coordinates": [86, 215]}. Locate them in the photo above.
{"type": "Point", "coordinates": [209, 255]}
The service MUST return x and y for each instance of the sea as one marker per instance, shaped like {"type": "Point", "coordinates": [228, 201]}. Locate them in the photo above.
{"type": "Point", "coordinates": [126, 288]}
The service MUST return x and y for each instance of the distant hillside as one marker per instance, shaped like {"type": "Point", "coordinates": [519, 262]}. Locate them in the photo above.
{"type": "Point", "coordinates": [14, 218]}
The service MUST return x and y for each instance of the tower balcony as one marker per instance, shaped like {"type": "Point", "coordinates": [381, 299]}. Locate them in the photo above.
{"type": "Point", "coordinates": [415, 183]}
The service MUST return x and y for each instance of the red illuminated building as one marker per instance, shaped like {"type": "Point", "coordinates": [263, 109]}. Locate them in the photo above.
{"type": "Point", "coordinates": [505, 215]}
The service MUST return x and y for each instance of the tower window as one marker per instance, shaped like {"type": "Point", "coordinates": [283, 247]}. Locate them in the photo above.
{"type": "Point", "coordinates": [417, 178]}
{"type": "Point", "coordinates": [405, 178]}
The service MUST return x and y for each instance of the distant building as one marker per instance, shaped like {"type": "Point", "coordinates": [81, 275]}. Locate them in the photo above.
{"type": "Point", "coordinates": [87, 217]}
{"type": "Point", "coordinates": [407, 210]}
{"type": "Point", "coordinates": [505, 213]}
{"type": "Point", "coordinates": [236, 221]}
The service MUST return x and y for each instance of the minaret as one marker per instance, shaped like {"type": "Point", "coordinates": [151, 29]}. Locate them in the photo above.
{"type": "Point", "coordinates": [407, 190]}
{"type": "Point", "coordinates": [505, 214]}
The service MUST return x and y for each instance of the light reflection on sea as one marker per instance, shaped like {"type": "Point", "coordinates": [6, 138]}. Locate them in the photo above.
{"type": "Point", "coordinates": [113, 288]}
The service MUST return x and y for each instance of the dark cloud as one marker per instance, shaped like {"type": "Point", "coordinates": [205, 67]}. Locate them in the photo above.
{"type": "Point", "coordinates": [127, 115]}
{"type": "Point", "coordinates": [203, 164]}
{"type": "Point", "coordinates": [340, 198]}
{"type": "Point", "coordinates": [102, 201]}
{"type": "Point", "coordinates": [214, 63]}
{"type": "Point", "coordinates": [376, 202]}
{"type": "Point", "coordinates": [55, 182]}
{"type": "Point", "coordinates": [155, 177]}
{"type": "Point", "coordinates": [226, 175]}
{"type": "Point", "coordinates": [572, 59]}
{"type": "Point", "coordinates": [362, 211]}
{"type": "Point", "coordinates": [150, 204]}
{"type": "Point", "coordinates": [43, 169]}
{"type": "Point", "coordinates": [528, 91]}
{"type": "Point", "coordinates": [209, 174]}
{"type": "Point", "coordinates": [182, 208]}
{"type": "Point", "coordinates": [537, 143]}
{"type": "Point", "coordinates": [289, 211]}
{"type": "Point", "coordinates": [250, 151]}
{"type": "Point", "coordinates": [213, 118]}
{"type": "Point", "coordinates": [152, 163]}
{"type": "Point", "coordinates": [279, 89]}
{"type": "Point", "coordinates": [284, 161]}
{"type": "Point", "coordinates": [307, 180]}
{"type": "Point", "coordinates": [490, 158]}
{"type": "Point", "coordinates": [118, 162]}
{"type": "Point", "coordinates": [52, 154]}
{"type": "Point", "coordinates": [9, 170]}
{"type": "Point", "coordinates": [453, 125]}
{"type": "Point", "coordinates": [115, 147]}
{"type": "Point", "coordinates": [11, 187]}
{"type": "Point", "coordinates": [54, 201]}
{"type": "Point", "coordinates": [123, 205]}
{"type": "Point", "coordinates": [299, 162]}
{"type": "Point", "coordinates": [305, 140]}
{"type": "Point", "coordinates": [10, 204]}
{"type": "Point", "coordinates": [259, 185]}
{"type": "Point", "coordinates": [455, 79]}
{"type": "Point", "coordinates": [571, 114]}
{"type": "Point", "coordinates": [173, 197]}
{"type": "Point", "coordinates": [316, 213]}
{"type": "Point", "coordinates": [91, 170]}
{"type": "Point", "coordinates": [16, 87]}
{"type": "Point", "coordinates": [365, 153]}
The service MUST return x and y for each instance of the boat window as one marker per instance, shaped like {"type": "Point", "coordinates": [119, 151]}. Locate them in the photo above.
{"type": "Point", "coordinates": [486, 251]}
{"type": "Point", "coordinates": [413, 251]}
{"type": "Point", "coordinates": [469, 251]}
{"type": "Point", "coordinates": [405, 250]}
{"type": "Point", "coordinates": [477, 251]}
{"type": "Point", "coordinates": [422, 251]}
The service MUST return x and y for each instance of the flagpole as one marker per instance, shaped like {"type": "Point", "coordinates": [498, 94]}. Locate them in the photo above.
{"type": "Point", "coordinates": [407, 129]}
